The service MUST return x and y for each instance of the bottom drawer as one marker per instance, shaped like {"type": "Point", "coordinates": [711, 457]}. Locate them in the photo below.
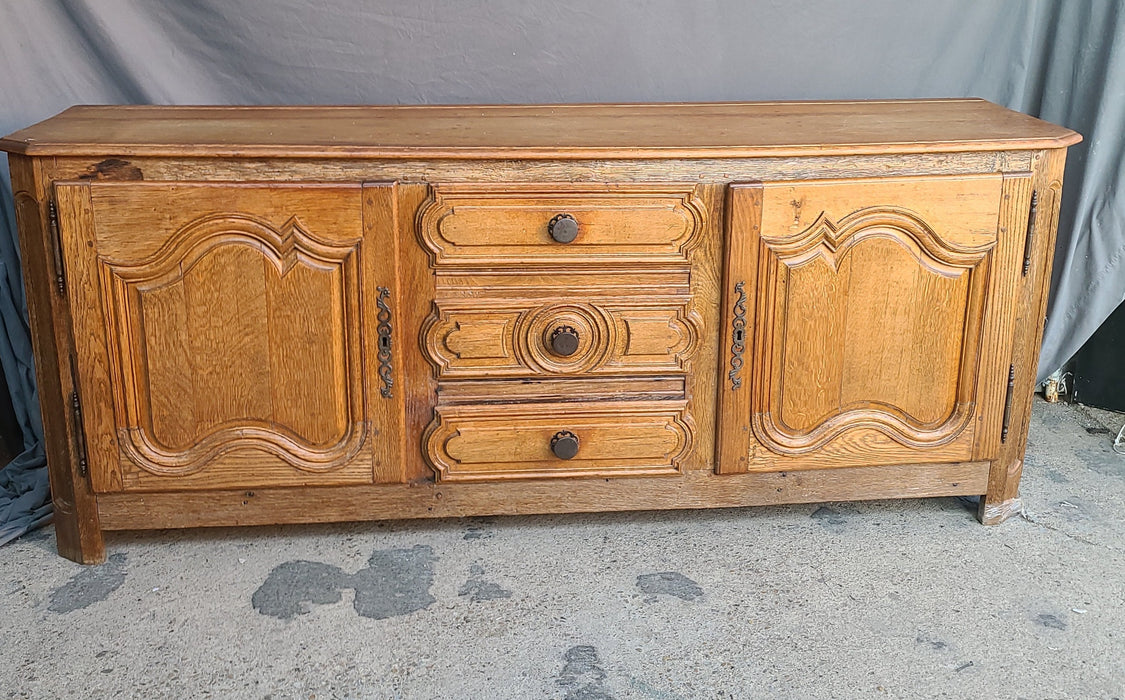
{"type": "Point", "coordinates": [534, 440]}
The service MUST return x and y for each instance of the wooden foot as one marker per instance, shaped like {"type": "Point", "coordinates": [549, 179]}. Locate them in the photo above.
{"type": "Point", "coordinates": [996, 513]}
{"type": "Point", "coordinates": [1003, 498]}
{"type": "Point", "coordinates": [78, 534]}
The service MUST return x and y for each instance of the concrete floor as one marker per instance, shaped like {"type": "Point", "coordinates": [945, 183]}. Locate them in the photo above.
{"type": "Point", "coordinates": [882, 599]}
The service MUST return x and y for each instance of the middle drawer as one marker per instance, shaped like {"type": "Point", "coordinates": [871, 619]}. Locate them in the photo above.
{"type": "Point", "coordinates": [489, 338]}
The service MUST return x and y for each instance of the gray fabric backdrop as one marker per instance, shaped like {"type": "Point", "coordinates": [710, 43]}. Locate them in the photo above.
{"type": "Point", "coordinates": [1064, 61]}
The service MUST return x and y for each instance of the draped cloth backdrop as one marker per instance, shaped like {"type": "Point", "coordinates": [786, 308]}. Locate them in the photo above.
{"type": "Point", "coordinates": [1063, 60]}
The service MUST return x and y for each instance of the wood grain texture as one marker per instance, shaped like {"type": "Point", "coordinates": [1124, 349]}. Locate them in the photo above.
{"type": "Point", "coordinates": [908, 265]}
{"type": "Point", "coordinates": [508, 224]}
{"type": "Point", "coordinates": [743, 220]}
{"type": "Point", "coordinates": [95, 366]}
{"type": "Point", "coordinates": [417, 282]}
{"type": "Point", "coordinates": [722, 130]}
{"type": "Point", "coordinates": [491, 338]}
{"type": "Point", "coordinates": [77, 529]}
{"type": "Point", "coordinates": [693, 489]}
{"type": "Point", "coordinates": [632, 289]}
{"type": "Point", "coordinates": [558, 390]}
{"type": "Point", "coordinates": [386, 387]}
{"type": "Point", "coordinates": [1000, 314]}
{"type": "Point", "coordinates": [529, 171]}
{"type": "Point", "coordinates": [868, 318]}
{"type": "Point", "coordinates": [513, 441]}
{"type": "Point", "coordinates": [320, 309]}
{"type": "Point", "coordinates": [1029, 308]}
{"type": "Point", "coordinates": [231, 344]}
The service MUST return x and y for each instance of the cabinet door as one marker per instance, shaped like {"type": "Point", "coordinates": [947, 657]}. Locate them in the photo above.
{"type": "Point", "coordinates": [227, 335]}
{"type": "Point", "coordinates": [866, 321]}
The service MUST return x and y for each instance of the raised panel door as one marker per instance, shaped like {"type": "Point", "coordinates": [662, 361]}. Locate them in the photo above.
{"type": "Point", "coordinates": [228, 334]}
{"type": "Point", "coordinates": [863, 320]}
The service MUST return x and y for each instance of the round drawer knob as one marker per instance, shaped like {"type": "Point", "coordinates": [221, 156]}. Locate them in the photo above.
{"type": "Point", "coordinates": [564, 444]}
{"type": "Point", "coordinates": [563, 228]}
{"type": "Point", "coordinates": [564, 341]}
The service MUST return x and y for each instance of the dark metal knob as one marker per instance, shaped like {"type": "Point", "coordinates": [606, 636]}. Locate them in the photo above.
{"type": "Point", "coordinates": [563, 228]}
{"type": "Point", "coordinates": [564, 444]}
{"type": "Point", "coordinates": [564, 341]}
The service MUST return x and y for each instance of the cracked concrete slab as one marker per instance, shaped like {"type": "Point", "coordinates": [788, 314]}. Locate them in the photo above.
{"type": "Point", "coordinates": [904, 599]}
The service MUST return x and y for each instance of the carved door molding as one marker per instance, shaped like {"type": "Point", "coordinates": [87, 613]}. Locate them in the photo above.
{"type": "Point", "coordinates": [963, 269]}
{"type": "Point", "coordinates": [224, 338]}
{"type": "Point", "coordinates": [856, 319]}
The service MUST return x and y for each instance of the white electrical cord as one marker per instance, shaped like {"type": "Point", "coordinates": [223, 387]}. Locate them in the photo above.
{"type": "Point", "coordinates": [1119, 442]}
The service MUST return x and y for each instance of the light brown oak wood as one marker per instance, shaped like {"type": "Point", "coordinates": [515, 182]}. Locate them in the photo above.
{"type": "Point", "coordinates": [224, 327]}
{"type": "Point", "coordinates": [615, 336]}
{"type": "Point", "coordinates": [868, 322]}
{"type": "Point", "coordinates": [690, 490]}
{"type": "Point", "coordinates": [1028, 316]}
{"type": "Point", "coordinates": [723, 130]}
{"type": "Point", "coordinates": [599, 170]}
{"type": "Point", "coordinates": [500, 441]}
{"type": "Point", "coordinates": [623, 224]}
{"type": "Point", "coordinates": [77, 528]}
{"type": "Point", "coordinates": [299, 314]}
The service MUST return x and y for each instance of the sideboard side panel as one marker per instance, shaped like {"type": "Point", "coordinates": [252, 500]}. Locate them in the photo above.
{"type": "Point", "coordinates": [77, 529]}
{"type": "Point", "coordinates": [1002, 499]}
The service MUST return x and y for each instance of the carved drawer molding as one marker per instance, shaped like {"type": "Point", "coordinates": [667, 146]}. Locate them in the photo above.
{"type": "Point", "coordinates": [508, 224]}
{"type": "Point", "coordinates": [482, 338]}
{"type": "Point", "coordinates": [496, 442]}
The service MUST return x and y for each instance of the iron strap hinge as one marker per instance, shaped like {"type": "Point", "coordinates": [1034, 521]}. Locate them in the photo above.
{"type": "Point", "coordinates": [76, 422]}
{"type": "Point", "coordinates": [1008, 404]}
{"type": "Point", "coordinates": [56, 247]}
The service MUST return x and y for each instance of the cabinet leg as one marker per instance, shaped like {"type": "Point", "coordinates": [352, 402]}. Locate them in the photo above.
{"type": "Point", "coordinates": [77, 539]}
{"type": "Point", "coordinates": [1003, 498]}
{"type": "Point", "coordinates": [78, 532]}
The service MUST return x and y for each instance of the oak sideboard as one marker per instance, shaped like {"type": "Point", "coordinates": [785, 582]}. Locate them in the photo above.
{"type": "Point", "coordinates": [250, 315]}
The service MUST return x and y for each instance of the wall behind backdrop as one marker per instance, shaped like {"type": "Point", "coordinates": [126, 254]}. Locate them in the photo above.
{"type": "Point", "coordinates": [1061, 60]}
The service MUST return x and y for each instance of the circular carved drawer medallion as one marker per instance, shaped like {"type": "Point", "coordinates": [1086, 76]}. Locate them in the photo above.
{"type": "Point", "coordinates": [592, 326]}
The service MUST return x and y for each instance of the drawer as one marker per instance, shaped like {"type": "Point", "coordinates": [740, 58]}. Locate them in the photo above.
{"type": "Point", "coordinates": [525, 441]}
{"type": "Point", "coordinates": [509, 224]}
{"type": "Point", "coordinates": [622, 336]}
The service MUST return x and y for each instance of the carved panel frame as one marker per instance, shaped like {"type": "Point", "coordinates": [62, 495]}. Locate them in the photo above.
{"type": "Point", "coordinates": [124, 285]}
{"type": "Point", "coordinates": [832, 241]}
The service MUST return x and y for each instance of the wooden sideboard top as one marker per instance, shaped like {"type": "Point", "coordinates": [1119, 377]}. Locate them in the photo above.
{"type": "Point", "coordinates": [706, 130]}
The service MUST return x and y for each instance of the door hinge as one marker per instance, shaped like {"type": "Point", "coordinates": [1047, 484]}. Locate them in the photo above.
{"type": "Point", "coordinates": [56, 247]}
{"type": "Point", "coordinates": [1030, 235]}
{"type": "Point", "coordinates": [1008, 404]}
{"type": "Point", "coordinates": [76, 422]}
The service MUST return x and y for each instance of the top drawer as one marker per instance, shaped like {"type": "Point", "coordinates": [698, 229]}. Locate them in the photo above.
{"type": "Point", "coordinates": [507, 224]}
